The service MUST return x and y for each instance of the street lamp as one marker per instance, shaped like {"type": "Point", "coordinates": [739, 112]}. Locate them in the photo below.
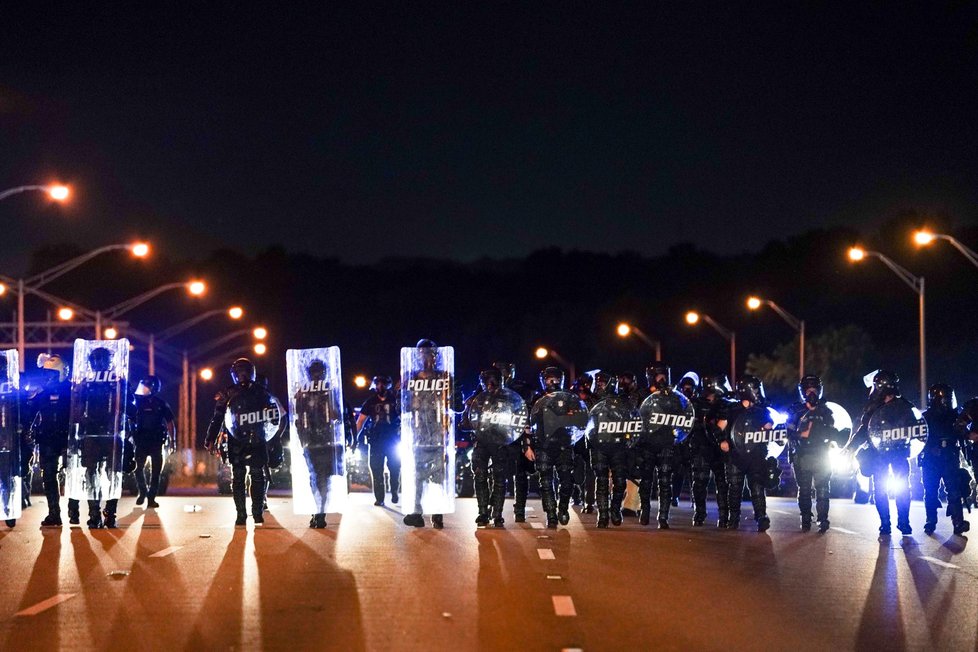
{"type": "Point", "coordinates": [66, 314]}
{"type": "Point", "coordinates": [923, 238]}
{"type": "Point", "coordinates": [755, 303]}
{"type": "Point", "coordinates": [57, 192]}
{"type": "Point", "coordinates": [360, 381]}
{"type": "Point", "coordinates": [625, 329]}
{"type": "Point", "coordinates": [916, 283]}
{"type": "Point", "coordinates": [206, 373]}
{"type": "Point", "coordinates": [260, 349]}
{"type": "Point", "coordinates": [111, 333]}
{"type": "Point", "coordinates": [693, 317]}
{"type": "Point", "coordinates": [195, 288]}
{"type": "Point", "coordinates": [543, 352]}
{"type": "Point", "coordinates": [260, 333]}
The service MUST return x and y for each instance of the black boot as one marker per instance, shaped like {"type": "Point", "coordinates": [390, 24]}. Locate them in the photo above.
{"type": "Point", "coordinates": [242, 513]}
{"type": "Point", "coordinates": [53, 519]}
{"type": "Point", "coordinates": [74, 512]}
{"type": "Point", "coordinates": [109, 513]}
{"type": "Point", "coordinates": [733, 521]}
{"type": "Point", "coordinates": [563, 515]}
{"type": "Point", "coordinates": [414, 520]}
{"type": "Point", "coordinates": [961, 527]}
{"type": "Point", "coordinates": [151, 501]}
{"type": "Point", "coordinates": [645, 516]}
{"type": "Point", "coordinates": [437, 521]}
{"type": "Point", "coordinates": [94, 515]}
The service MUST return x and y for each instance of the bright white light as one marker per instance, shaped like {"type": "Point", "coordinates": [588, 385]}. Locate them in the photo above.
{"type": "Point", "coordinates": [260, 349]}
{"type": "Point", "coordinates": [360, 381]}
{"type": "Point", "coordinates": [206, 373]}
{"type": "Point", "coordinates": [840, 460]}
{"type": "Point", "coordinates": [753, 303]}
{"type": "Point", "coordinates": [58, 193]}
{"type": "Point", "coordinates": [140, 250]}
{"type": "Point", "coordinates": [110, 333]}
{"type": "Point", "coordinates": [65, 314]}
{"type": "Point", "coordinates": [692, 317]}
{"type": "Point", "coordinates": [541, 353]}
{"type": "Point", "coordinates": [924, 237]}
{"type": "Point", "coordinates": [856, 254]}
{"type": "Point", "coordinates": [260, 333]}
{"type": "Point", "coordinates": [237, 312]}
{"type": "Point", "coordinates": [197, 288]}
{"type": "Point", "coordinates": [894, 485]}
{"type": "Point", "coordinates": [779, 418]}
{"type": "Point", "coordinates": [624, 329]}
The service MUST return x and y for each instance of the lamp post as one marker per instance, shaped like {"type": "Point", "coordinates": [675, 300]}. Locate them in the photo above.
{"type": "Point", "coordinates": [57, 192]}
{"type": "Point", "coordinates": [693, 318]}
{"type": "Point", "coordinates": [754, 303]}
{"type": "Point", "coordinates": [543, 352]}
{"type": "Point", "coordinates": [916, 283]}
{"type": "Point", "coordinates": [924, 238]}
{"type": "Point", "coordinates": [625, 329]}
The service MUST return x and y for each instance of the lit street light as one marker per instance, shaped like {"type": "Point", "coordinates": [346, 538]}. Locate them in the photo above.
{"type": "Point", "coordinates": [236, 312]}
{"type": "Point", "coordinates": [360, 381]}
{"type": "Point", "coordinates": [543, 352]}
{"type": "Point", "coordinates": [66, 314]}
{"type": "Point", "coordinates": [625, 329]}
{"type": "Point", "coordinates": [206, 373]}
{"type": "Point", "coordinates": [923, 238]}
{"type": "Point", "coordinates": [260, 333]}
{"type": "Point", "coordinates": [260, 349]}
{"type": "Point", "coordinates": [755, 303]}
{"type": "Point", "coordinates": [916, 283]}
{"type": "Point", "coordinates": [111, 333]}
{"type": "Point", "coordinates": [693, 317]}
{"type": "Point", "coordinates": [57, 192]}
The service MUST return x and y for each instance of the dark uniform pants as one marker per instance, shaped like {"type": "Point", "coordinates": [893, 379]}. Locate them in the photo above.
{"type": "Point", "coordinates": [320, 463]}
{"type": "Point", "coordinates": [153, 451]}
{"type": "Point", "coordinates": [501, 458]}
{"type": "Point", "coordinates": [380, 450]}
{"type": "Point", "coordinates": [611, 457]}
{"type": "Point", "coordinates": [740, 468]}
{"type": "Point", "coordinates": [942, 466]}
{"type": "Point", "coordinates": [555, 464]}
{"type": "Point", "coordinates": [813, 473]}
{"type": "Point", "coordinates": [657, 461]}
{"type": "Point", "coordinates": [704, 462]}
{"type": "Point", "coordinates": [583, 472]}
{"type": "Point", "coordinates": [897, 462]}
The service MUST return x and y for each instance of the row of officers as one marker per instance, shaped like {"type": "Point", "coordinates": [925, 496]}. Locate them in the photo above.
{"type": "Point", "coordinates": [590, 440]}
{"type": "Point", "coordinates": [596, 436]}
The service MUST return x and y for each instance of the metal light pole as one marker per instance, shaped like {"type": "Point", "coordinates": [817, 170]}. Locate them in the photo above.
{"type": "Point", "coordinates": [798, 324]}
{"type": "Point", "coordinates": [625, 329]}
{"type": "Point", "coordinates": [55, 192]}
{"type": "Point", "coordinates": [692, 317]}
{"type": "Point", "coordinates": [924, 238]}
{"type": "Point", "coordinates": [916, 283]}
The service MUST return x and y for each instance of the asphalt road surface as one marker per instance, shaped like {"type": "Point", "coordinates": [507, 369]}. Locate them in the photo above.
{"type": "Point", "coordinates": [176, 579]}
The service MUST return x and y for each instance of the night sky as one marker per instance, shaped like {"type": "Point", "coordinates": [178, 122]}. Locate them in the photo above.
{"type": "Point", "coordinates": [449, 130]}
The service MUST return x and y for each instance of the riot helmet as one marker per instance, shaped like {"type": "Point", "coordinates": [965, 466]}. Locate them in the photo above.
{"type": "Point", "coordinates": [54, 366]}
{"type": "Point", "coordinates": [491, 379]}
{"type": "Point", "coordinates": [261, 380]}
{"type": "Point", "coordinates": [659, 375]}
{"type": "Point", "coordinates": [380, 384]}
{"type": "Point", "coordinates": [508, 371]}
{"type": "Point", "coordinates": [243, 372]}
{"type": "Point", "coordinates": [601, 380]}
{"type": "Point", "coordinates": [750, 388]}
{"type": "Point", "coordinates": [885, 383]}
{"type": "Point", "coordinates": [810, 389]}
{"type": "Point", "coordinates": [624, 383]}
{"type": "Point", "coordinates": [428, 351]}
{"type": "Point", "coordinates": [552, 379]}
{"type": "Point", "coordinates": [687, 387]}
{"type": "Point", "coordinates": [316, 370]}
{"type": "Point", "coordinates": [940, 396]}
{"type": "Point", "coordinates": [149, 385]}
{"type": "Point", "coordinates": [100, 359]}
{"type": "Point", "coordinates": [716, 384]}
{"type": "Point", "coordinates": [584, 383]}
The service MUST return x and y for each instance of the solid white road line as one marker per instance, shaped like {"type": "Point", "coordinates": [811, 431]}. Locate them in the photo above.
{"type": "Point", "coordinates": [166, 551]}
{"type": "Point", "coordinates": [44, 605]}
{"type": "Point", "coordinates": [934, 560]}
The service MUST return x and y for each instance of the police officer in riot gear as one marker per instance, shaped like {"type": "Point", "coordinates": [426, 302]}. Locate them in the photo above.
{"type": "Point", "coordinates": [810, 429]}
{"type": "Point", "coordinates": [890, 457]}
{"type": "Point", "coordinates": [657, 456]}
{"type": "Point", "coordinates": [601, 380]}
{"type": "Point", "coordinates": [153, 430]}
{"type": "Point", "coordinates": [49, 430]}
{"type": "Point", "coordinates": [430, 463]}
{"type": "Point", "coordinates": [941, 459]}
{"type": "Point", "coordinates": [11, 503]}
{"type": "Point", "coordinates": [705, 456]}
{"type": "Point", "coordinates": [609, 454]}
{"type": "Point", "coordinates": [94, 408]}
{"type": "Point", "coordinates": [314, 414]}
{"type": "Point", "coordinates": [253, 417]}
{"type": "Point", "coordinates": [553, 451]}
{"type": "Point", "coordinates": [744, 465]}
{"type": "Point", "coordinates": [380, 424]}
{"type": "Point", "coordinates": [583, 471]}
{"type": "Point", "coordinates": [524, 466]}
{"type": "Point", "coordinates": [492, 446]}
{"type": "Point", "coordinates": [688, 387]}
{"type": "Point", "coordinates": [966, 425]}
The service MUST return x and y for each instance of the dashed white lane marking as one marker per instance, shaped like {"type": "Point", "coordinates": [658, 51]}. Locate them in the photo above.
{"type": "Point", "coordinates": [571, 649]}
{"type": "Point", "coordinates": [842, 529]}
{"type": "Point", "coordinates": [536, 526]}
{"type": "Point", "coordinates": [778, 511]}
{"type": "Point", "coordinates": [554, 577]}
{"type": "Point", "coordinates": [934, 560]}
{"type": "Point", "coordinates": [166, 551]}
{"type": "Point", "coordinates": [545, 553]}
{"type": "Point", "coordinates": [44, 605]}
{"type": "Point", "coordinates": [563, 605]}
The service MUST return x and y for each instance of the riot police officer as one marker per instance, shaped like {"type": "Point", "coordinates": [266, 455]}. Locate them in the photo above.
{"type": "Point", "coordinates": [524, 467]}
{"type": "Point", "coordinates": [557, 421]}
{"type": "Point", "coordinates": [153, 430]}
{"type": "Point", "coordinates": [498, 418]}
{"type": "Point", "coordinates": [705, 456]}
{"type": "Point", "coordinates": [379, 423]}
{"type": "Point", "coordinates": [745, 463]}
{"type": "Point", "coordinates": [51, 406]}
{"type": "Point", "coordinates": [941, 459]}
{"type": "Point", "coordinates": [583, 471]}
{"type": "Point", "coordinates": [315, 413]}
{"type": "Point", "coordinates": [600, 385]}
{"type": "Point", "coordinates": [253, 417]}
{"type": "Point", "coordinates": [810, 429]}
{"type": "Point", "coordinates": [657, 451]}
{"type": "Point", "coordinates": [887, 410]}
{"type": "Point", "coordinates": [11, 502]}
{"type": "Point", "coordinates": [615, 424]}
{"type": "Point", "coordinates": [688, 386]}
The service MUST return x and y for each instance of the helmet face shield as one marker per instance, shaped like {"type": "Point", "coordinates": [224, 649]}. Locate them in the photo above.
{"type": "Point", "coordinates": [552, 379]}
{"type": "Point", "coordinates": [491, 379]}
{"type": "Point", "coordinates": [810, 388]}
{"type": "Point", "coordinates": [243, 372]}
{"type": "Point", "coordinates": [940, 396]}
{"type": "Point", "coordinates": [751, 389]}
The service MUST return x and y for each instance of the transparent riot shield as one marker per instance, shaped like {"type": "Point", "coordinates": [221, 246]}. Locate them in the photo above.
{"type": "Point", "coordinates": [614, 420]}
{"type": "Point", "coordinates": [317, 437]}
{"type": "Point", "coordinates": [498, 418]}
{"type": "Point", "coordinates": [427, 430]}
{"type": "Point", "coordinates": [254, 416]}
{"type": "Point", "coordinates": [896, 424]}
{"type": "Point", "coordinates": [558, 418]}
{"type": "Point", "coordinates": [97, 427]}
{"type": "Point", "coordinates": [668, 417]}
{"type": "Point", "coordinates": [10, 483]}
{"type": "Point", "coordinates": [756, 432]}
